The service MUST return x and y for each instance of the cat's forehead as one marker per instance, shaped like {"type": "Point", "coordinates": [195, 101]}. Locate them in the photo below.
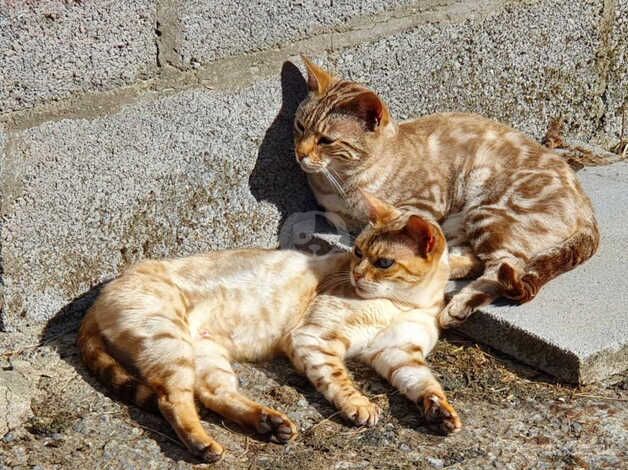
{"type": "Point", "coordinates": [391, 244]}
{"type": "Point", "coordinates": [318, 107]}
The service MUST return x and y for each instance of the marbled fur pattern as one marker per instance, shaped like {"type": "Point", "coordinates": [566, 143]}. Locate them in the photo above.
{"type": "Point", "coordinates": [166, 332]}
{"type": "Point", "coordinates": [513, 211]}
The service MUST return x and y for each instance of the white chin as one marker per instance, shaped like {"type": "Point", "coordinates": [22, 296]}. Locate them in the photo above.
{"type": "Point", "coordinates": [363, 293]}
{"type": "Point", "coordinates": [310, 169]}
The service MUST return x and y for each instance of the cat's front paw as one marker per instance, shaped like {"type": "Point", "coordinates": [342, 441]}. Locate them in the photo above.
{"type": "Point", "coordinates": [361, 412]}
{"type": "Point", "coordinates": [452, 315]}
{"type": "Point", "coordinates": [276, 425]}
{"type": "Point", "coordinates": [439, 412]}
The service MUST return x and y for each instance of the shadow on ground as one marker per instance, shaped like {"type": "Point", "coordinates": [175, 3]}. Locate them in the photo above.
{"type": "Point", "coordinates": [60, 333]}
{"type": "Point", "coordinates": [276, 177]}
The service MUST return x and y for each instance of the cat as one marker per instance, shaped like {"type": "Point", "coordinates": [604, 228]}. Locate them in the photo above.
{"type": "Point", "coordinates": [514, 214]}
{"type": "Point", "coordinates": [164, 333]}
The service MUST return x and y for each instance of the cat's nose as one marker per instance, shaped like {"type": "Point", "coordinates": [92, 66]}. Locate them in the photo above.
{"type": "Point", "coordinates": [357, 276]}
{"type": "Point", "coordinates": [300, 156]}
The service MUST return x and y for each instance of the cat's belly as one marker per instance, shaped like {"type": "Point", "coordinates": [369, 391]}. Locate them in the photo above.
{"type": "Point", "coordinates": [249, 325]}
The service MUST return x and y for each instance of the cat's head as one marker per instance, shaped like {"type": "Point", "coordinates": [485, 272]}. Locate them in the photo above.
{"type": "Point", "coordinates": [399, 256]}
{"type": "Point", "coordinates": [339, 123]}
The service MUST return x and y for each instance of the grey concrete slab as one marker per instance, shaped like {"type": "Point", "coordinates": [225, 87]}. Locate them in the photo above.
{"type": "Point", "coordinates": [195, 171]}
{"type": "Point", "coordinates": [51, 50]}
{"type": "Point", "coordinates": [524, 64]}
{"type": "Point", "coordinates": [616, 93]}
{"type": "Point", "coordinates": [222, 28]}
{"type": "Point", "coordinates": [577, 327]}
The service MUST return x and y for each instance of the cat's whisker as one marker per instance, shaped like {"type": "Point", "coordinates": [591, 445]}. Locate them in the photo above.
{"type": "Point", "coordinates": [334, 182]}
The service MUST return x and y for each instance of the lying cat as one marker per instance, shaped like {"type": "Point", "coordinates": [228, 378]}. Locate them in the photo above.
{"type": "Point", "coordinates": [512, 210]}
{"type": "Point", "coordinates": [166, 332]}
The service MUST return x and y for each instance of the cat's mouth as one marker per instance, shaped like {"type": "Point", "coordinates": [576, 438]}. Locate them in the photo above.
{"type": "Point", "coordinates": [362, 290]}
{"type": "Point", "coordinates": [310, 166]}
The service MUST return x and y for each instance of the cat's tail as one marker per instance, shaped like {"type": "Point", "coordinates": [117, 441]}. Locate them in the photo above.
{"type": "Point", "coordinates": [545, 266]}
{"type": "Point", "coordinates": [108, 369]}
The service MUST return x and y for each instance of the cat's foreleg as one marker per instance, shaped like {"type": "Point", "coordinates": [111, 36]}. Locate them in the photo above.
{"type": "Point", "coordinates": [482, 291]}
{"type": "Point", "coordinates": [319, 354]}
{"type": "Point", "coordinates": [217, 389]}
{"type": "Point", "coordinates": [463, 263]}
{"type": "Point", "coordinates": [398, 354]}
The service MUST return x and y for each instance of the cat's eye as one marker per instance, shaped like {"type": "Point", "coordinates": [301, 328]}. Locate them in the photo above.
{"type": "Point", "coordinates": [357, 252]}
{"type": "Point", "coordinates": [299, 127]}
{"type": "Point", "coordinates": [322, 140]}
{"type": "Point", "coordinates": [383, 263]}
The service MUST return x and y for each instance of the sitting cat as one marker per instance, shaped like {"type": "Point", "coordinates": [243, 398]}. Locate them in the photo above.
{"type": "Point", "coordinates": [165, 332]}
{"type": "Point", "coordinates": [512, 210]}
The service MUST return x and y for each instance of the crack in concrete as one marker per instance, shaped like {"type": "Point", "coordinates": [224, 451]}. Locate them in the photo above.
{"type": "Point", "coordinates": [603, 56]}
{"type": "Point", "coordinates": [236, 72]}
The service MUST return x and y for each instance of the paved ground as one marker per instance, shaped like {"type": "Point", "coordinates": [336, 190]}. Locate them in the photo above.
{"type": "Point", "coordinates": [514, 417]}
{"type": "Point", "coordinates": [577, 327]}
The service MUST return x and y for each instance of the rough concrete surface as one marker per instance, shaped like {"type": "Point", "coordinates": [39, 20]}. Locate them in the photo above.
{"type": "Point", "coordinates": [550, 70]}
{"type": "Point", "coordinates": [52, 49]}
{"type": "Point", "coordinates": [577, 327]}
{"type": "Point", "coordinates": [616, 92]}
{"type": "Point", "coordinates": [212, 30]}
{"type": "Point", "coordinates": [196, 171]}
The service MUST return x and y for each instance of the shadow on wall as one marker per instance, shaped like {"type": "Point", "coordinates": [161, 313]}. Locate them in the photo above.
{"type": "Point", "coordinates": [277, 177]}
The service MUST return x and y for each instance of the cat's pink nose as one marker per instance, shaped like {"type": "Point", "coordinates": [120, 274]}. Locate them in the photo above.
{"type": "Point", "coordinates": [300, 156]}
{"type": "Point", "coordinates": [357, 276]}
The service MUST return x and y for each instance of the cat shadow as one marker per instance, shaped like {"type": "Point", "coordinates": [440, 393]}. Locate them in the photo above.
{"type": "Point", "coordinates": [281, 371]}
{"type": "Point", "coordinates": [367, 380]}
{"type": "Point", "coordinates": [276, 177]}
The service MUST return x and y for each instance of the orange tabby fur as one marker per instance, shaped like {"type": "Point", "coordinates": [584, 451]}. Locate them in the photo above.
{"type": "Point", "coordinates": [165, 332]}
{"type": "Point", "coordinates": [513, 211]}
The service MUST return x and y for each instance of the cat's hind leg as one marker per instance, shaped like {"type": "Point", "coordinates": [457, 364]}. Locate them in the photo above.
{"type": "Point", "coordinates": [173, 380]}
{"type": "Point", "coordinates": [319, 354]}
{"type": "Point", "coordinates": [217, 389]}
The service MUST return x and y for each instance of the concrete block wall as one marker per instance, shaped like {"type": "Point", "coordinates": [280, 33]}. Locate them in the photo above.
{"type": "Point", "coordinates": [144, 129]}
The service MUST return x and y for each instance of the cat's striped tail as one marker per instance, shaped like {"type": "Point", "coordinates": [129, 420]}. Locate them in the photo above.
{"type": "Point", "coordinates": [545, 266]}
{"type": "Point", "coordinates": [108, 369]}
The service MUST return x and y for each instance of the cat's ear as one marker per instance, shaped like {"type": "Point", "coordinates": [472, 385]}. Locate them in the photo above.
{"type": "Point", "coordinates": [423, 232]}
{"type": "Point", "coordinates": [318, 80]}
{"type": "Point", "coordinates": [369, 108]}
{"type": "Point", "coordinates": [379, 212]}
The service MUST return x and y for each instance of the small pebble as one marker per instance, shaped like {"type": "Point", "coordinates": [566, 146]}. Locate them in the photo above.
{"type": "Point", "coordinates": [436, 463]}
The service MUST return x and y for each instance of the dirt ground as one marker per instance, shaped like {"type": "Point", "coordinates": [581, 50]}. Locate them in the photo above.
{"type": "Point", "coordinates": [513, 417]}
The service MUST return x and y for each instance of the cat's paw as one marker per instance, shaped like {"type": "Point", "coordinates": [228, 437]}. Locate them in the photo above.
{"type": "Point", "coordinates": [212, 453]}
{"type": "Point", "coordinates": [452, 315]}
{"type": "Point", "coordinates": [276, 425]}
{"type": "Point", "coordinates": [439, 412]}
{"type": "Point", "coordinates": [361, 412]}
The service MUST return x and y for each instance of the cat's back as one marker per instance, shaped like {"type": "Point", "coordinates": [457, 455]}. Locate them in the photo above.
{"type": "Point", "coordinates": [180, 283]}
{"type": "Point", "coordinates": [473, 140]}
{"type": "Point", "coordinates": [462, 126]}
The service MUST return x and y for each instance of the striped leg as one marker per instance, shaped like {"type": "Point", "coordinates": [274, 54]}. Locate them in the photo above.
{"type": "Point", "coordinates": [397, 353]}
{"type": "Point", "coordinates": [320, 356]}
{"type": "Point", "coordinates": [174, 384]}
{"type": "Point", "coordinates": [217, 389]}
{"type": "Point", "coordinates": [478, 293]}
